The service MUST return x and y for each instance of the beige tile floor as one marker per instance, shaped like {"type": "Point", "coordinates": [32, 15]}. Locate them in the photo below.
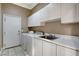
{"type": "Point", "coordinates": [16, 51]}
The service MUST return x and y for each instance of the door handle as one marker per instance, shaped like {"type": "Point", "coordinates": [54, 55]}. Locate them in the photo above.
{"type": "Point", "coordinates": [4, 33]}
{"type": "Point", "coordinates": [18, 31]}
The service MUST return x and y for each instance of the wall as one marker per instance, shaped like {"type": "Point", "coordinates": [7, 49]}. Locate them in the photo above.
{"type": "Point", "coordinates": [16, 10]}
{"type": "Point", "coordinates": [0, 27]}
{"type": "Point", "coordinates": [57, 28]}
{"type": "Point", "coordinates": [38, 7]}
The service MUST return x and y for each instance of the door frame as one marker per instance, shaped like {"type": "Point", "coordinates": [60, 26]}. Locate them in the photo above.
{"type": "Point", "coordinates": [3, 17]}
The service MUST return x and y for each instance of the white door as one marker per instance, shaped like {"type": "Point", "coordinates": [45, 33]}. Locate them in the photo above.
{"type": "Point", "coordinates": [11, 30]}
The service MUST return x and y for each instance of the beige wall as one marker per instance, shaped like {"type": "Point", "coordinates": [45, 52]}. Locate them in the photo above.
{"type": "Point", "coordinates": [0, 27]}
{"type": "Point", "coordinates": [38, 7]}
{"type": "Point", "coordinates": [57, 28]}
{"type": "Point", "coordinates": [16, 10]}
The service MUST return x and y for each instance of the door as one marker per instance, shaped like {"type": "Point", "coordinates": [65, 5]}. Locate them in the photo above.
{"type": "Point", "coordinates": [11, 30]}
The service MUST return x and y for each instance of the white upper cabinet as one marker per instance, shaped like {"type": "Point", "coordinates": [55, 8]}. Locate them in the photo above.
{"type": "Point", "coordinates": [77, 12]}
{"type": "Point", "coordinates": [69, 13]}
{"type": "Point", "coordinates": [50, 12]}
{"type": "Point", "coordinates": [66, 12]}
{"type": "Point", "coordinates": [34, 21]}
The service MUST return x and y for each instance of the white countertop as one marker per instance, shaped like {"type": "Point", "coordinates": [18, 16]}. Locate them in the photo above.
{"type": "Point", "coordinates": [63, 40]}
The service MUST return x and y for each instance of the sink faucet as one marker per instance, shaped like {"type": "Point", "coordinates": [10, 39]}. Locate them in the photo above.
{"type": "Point", "coordinates": [43, 33]}
{"type": "Point", "coordinates": [52, 34]}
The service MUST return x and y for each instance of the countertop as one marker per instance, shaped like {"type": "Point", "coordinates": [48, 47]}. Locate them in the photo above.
{"type": "Point", "coordinates": [63, 40]}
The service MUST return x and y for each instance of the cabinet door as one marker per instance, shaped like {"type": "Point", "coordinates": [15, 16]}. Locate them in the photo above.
{"type": "Point", "coordinates": [62, 51]}
{"type": "Point", "coordinates": [29, 45]}
{"type": "Point", "coordinates": [23, 41]}
{"type": "Point", "coordinates": [55, 12]}
{"type": "Point", "coordinates": [49, 49]}
{"type": "Point", "coordinates": [34, 20]}
{"type": "Point", "coordinates": [76, 12]}
{"type": "Point", "coordinates": [37, 47]}
{"type": "Point", "coordinates": [67, 12]}
{"type": "Point", "coordinates": [50, 12]}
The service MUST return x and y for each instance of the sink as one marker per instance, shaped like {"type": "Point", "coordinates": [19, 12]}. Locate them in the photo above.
{"type": "Point", "coordinates": [50, 37]}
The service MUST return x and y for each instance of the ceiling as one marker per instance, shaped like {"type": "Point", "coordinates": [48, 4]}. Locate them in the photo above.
{"type": "Point", "coordinates": [26, 5]}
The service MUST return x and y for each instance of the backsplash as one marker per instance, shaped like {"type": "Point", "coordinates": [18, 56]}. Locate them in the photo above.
{"type": "Point", "coordinates": [58, 28]}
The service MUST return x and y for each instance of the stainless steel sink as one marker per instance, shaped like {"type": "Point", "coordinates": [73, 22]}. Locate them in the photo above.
{"type": "Point", "coordinates": [50, 37]}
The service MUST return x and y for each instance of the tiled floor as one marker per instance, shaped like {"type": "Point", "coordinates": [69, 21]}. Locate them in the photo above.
{"type": "Point", "coordinates": [16, 51]}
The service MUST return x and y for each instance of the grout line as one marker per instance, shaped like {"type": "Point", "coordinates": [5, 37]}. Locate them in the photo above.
{"type": "Point", "coordinates": [13, 47]}
{"type": "Point", "coordinates": [7, 52]}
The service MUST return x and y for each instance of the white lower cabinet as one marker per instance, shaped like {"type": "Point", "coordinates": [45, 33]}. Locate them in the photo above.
{"type": "Point", "coordinates": [37, 47]}
{"type": "Point", "coordinates": [24, 41]}
{"type": "Point", "coordinates": [63, 51]}
{"type": "Point", "coordinates": [49, 49]}
{"type": "Point", "coordinates": [27, 43]}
